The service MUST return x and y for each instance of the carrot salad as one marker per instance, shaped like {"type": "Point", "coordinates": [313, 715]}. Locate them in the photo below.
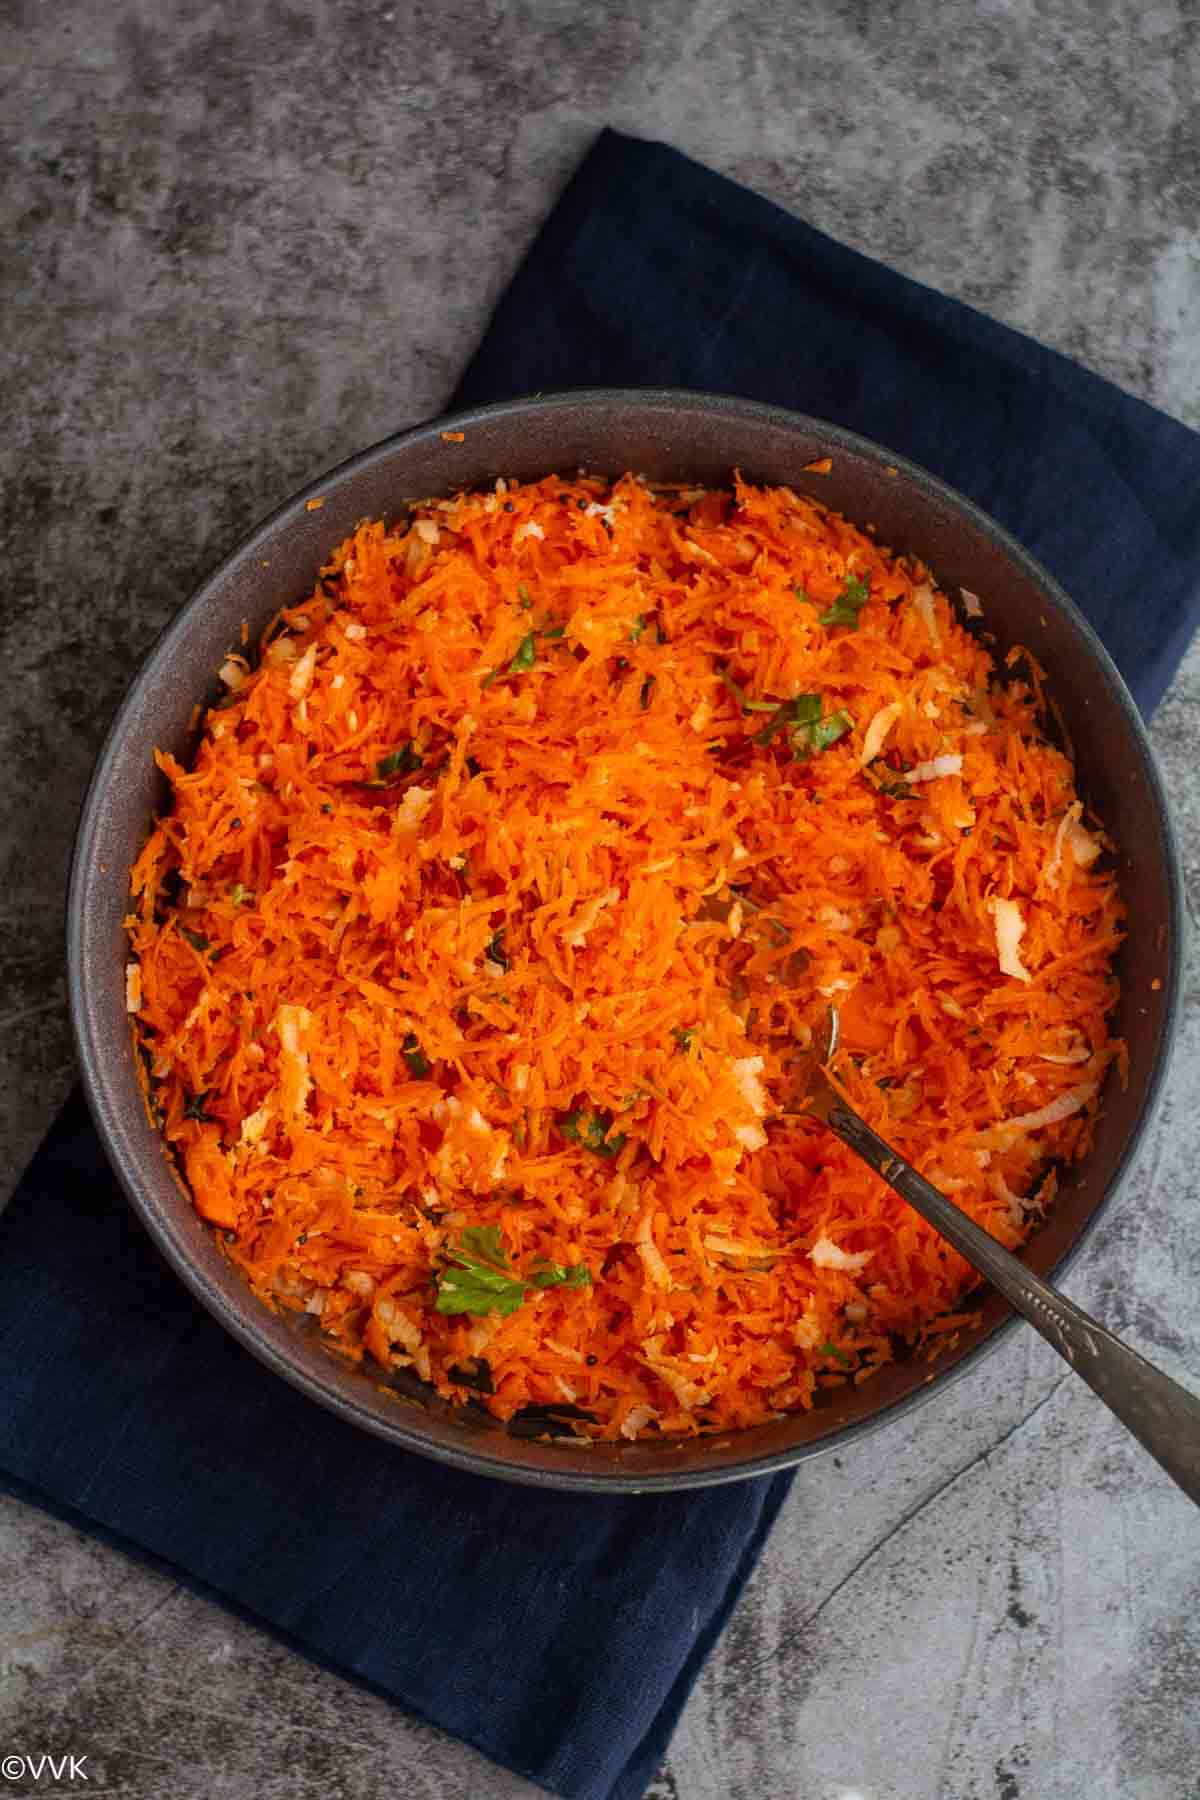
{"type": "Point", "coordinates": [508, 875]}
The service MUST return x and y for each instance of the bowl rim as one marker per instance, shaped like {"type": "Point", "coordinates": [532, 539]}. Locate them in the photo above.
{"type": "Point", "coordinates": [99, 1083]}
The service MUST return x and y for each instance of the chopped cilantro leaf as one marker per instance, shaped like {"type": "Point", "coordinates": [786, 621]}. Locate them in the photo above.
{"type": "Point", "coordinates": [479, 1278]}
{"type": "Point", "coordinates": [486, 1243]}
{"type": "Point", "coordinates": [822, 733]}
{"type": "Point", "coordinates": [807, 731]}
{"type": "Point", "coordinates": [739, 694]}
{"type": "Point", "coordinates": [805, 709]}
{"type": "Point", "coordinates": [551, 1274]}
{"type": "Point", "coordinates": [590, 1130]}
{"type": "Point", "coordinates": [196, 939]}
{"type": "Point", "coordinates": [414, 1056]}
{"type": "Point", "coordinates": [832, 1350]}
{"type": "Point", "coordinates": [526, 654]}
{"type": "Point", "coordinates": [397, 763]}
{"type": "Point", "coordinates": [848, 605]}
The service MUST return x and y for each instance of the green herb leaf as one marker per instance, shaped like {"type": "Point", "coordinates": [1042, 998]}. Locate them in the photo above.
{"type": "Point", "coordinates": [526, 655]}
{"type": "Point", "coordinates": [196, 939]}
{"type": "Point", "coordinates": [194, 1107]}
{"type": "Point", "coordinates": [805, 709]}
{"type": "Point", "coordinates": [739, 694]}
{"type": "Point", "coordinates": [551, 1274]}
{"type": "Point", "coordinates": [807, 731]}
{"type": "Point", "coordinates": [821, 733]}
{"type": "Point", "coordinates": [487, 1243]}
{"type": "Point", "coordinates": [242, 896]}
{"type": "Point", "coordinates": [479, 1280]}
{"type": "Point", "coordinates": [397, 764]}
{"type": "Point", "coordinates": [523, 597]}
{"type": "Point", "coordinates": [685, 1038]}
{"type": "Point", "coordinates": [768, 731]}
{"type": "Point", "coordinates": [495, 949]}
{"type": "Point", "coordinates": [832, 1350]}
{"type": "Point", "coordinates": [471, 1288]}
{"type": "Point", "coordinates": [848, 605]}
{"type": "Point", "coordinates": [896, 790]}
{"type": "Point", "coordinates": [414, 1056]}
{"type": "Point", "coordinates": [802, 596]}
{"type": "Point", "coordinates": [553, 631]}
{"type": "Point", "coordinates": [637, 628]}
{"type": "Point", "coordinates": [590, 1131]}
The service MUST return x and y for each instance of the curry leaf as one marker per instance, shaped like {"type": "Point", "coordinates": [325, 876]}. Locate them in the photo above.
{"type": "Point", "coordinates": [495, 949]}
{"type": "Point", "coordinates": [476, 1374]}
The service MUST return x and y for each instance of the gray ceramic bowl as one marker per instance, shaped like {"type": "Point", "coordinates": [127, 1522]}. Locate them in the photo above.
{"type": "Point", "coordinates": [666, 436]}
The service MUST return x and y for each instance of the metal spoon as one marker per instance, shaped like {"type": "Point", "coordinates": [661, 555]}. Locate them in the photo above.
{"type": "Point", "coordinates": [1164, 1417]}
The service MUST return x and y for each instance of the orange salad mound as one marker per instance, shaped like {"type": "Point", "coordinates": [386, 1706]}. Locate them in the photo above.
{"type": "Point", "coordinates": [505, 880]}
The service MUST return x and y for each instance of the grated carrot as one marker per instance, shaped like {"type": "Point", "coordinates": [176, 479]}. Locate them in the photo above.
{"type": "Point", "coordinates": [496, 888]}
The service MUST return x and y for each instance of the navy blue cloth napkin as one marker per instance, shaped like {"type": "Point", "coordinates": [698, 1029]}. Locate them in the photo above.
{"type": "Point", "coordinates": [654, 272]}
{"type": "Point", "coordinates": [559, 1634]}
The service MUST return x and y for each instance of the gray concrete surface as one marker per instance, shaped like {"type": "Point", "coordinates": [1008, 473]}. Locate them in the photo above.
{"type": "Point", "coordinates": [239, 243]}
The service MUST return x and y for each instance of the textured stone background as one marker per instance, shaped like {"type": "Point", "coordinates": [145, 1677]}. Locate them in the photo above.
{"type": "Point", "coordinates": [240, 242]}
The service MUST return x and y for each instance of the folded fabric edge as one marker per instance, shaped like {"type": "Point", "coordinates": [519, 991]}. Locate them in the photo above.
{"type": "Point", "coordinates": [611, 146]}
{"type": "Point", "coordinates": [649, 1755]}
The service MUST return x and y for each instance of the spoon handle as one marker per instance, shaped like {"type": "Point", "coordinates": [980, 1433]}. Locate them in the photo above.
{"type": "Point", "coordinates": [1164, 1417]}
